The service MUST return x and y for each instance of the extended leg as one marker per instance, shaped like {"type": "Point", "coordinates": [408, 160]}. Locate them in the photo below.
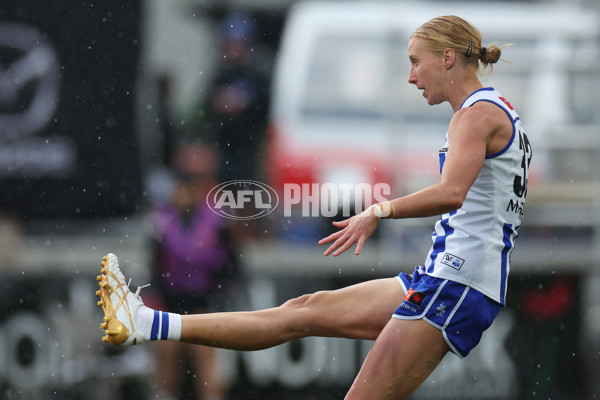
{"type": "Point", "coordinates": [357, 311]}
{"type": "Point", "coordinates": [403, 356]}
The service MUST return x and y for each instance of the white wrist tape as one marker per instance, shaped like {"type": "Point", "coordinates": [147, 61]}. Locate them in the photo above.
{"type": "Point", "coordinates": [384, 210]}
{"type": "Point", "coordinates": [378, 211]}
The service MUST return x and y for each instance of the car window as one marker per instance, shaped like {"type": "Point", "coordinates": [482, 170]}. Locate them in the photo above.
{"type": "Point", "coordinates": [363, 76]}
{"type": "Point", "coordinates": [345, 77]}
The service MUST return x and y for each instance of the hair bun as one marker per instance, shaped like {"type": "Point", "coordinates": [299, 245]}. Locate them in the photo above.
{"type": "Point", "coordinates": [483, 53]}
{"type": "Point", "coordinates": [490, 54]}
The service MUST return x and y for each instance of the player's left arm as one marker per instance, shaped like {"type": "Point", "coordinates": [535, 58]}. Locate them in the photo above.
{"type": "Point", "coordinates": [470, 135]}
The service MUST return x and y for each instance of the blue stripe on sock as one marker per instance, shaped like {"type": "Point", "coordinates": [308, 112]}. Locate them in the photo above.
{"type": "Point", "coordinates": [155, 323]}
{"type": "Point", "coordinates": [164, 331]}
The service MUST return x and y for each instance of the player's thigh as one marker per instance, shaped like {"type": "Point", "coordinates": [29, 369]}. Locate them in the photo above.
{"type": "Point", "coordinates": [356, 311]}
{"type": "Point", "coordinates": [403, 356]}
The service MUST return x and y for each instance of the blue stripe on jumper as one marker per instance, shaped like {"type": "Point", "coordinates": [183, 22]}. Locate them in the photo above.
{"type": "Point", "coordinates": [442, 160]}
{"type": "Point", "coordinates": [439, 244]}
{"type": "Point", "coordinates": [508, 237]}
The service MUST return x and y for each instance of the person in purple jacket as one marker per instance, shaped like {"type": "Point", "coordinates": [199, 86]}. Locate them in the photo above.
{"type": "Point", "coordinates": [193, 259]}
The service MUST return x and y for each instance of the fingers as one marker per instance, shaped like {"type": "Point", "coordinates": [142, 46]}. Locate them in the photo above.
{"type": "Point", "coordinates": [347, 244]}
{"type": "Point", "coordinates": [359, 246]}
{"type": "Point", "coordinates": [342, 241]}
{"type": "Point", "coordinates": [341, 224]}
{"type": "Point", "coordinates": [329, 250]}
{"type": "Point", "coordinates": [338, 238]}
{"type": "Point", "coordinates": [353, 230]}
{"type": "Point", "coordinates": [334, 236]}
{"type": "Point", "coordinates": [331, 238]}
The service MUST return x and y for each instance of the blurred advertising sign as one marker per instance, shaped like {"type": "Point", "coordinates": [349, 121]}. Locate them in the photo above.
{"type": "Point", "coordinates": [50, 346]}
{"type": "Point", "coordinates": [67, 143]}
{"type": "Point", "coordinates": [518, 357]}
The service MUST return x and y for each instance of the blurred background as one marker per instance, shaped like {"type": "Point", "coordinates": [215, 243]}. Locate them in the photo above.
{"type": "Point", "coordinates": [117, 118]}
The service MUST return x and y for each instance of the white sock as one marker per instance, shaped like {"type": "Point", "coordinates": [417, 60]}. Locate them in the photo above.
{"type": "Point", "coordinates": [159, 325]}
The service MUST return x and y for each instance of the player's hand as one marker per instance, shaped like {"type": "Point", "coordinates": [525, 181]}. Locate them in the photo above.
{"type": "Point", "coordinates": [356, 229]}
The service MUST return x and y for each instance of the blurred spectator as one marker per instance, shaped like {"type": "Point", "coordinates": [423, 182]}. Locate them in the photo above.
{"type": "Point", "coordinates": [236, 109]}
{"type": "Point", "coordinates": [195, 267]}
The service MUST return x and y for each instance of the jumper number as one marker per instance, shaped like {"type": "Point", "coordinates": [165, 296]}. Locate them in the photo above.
{"type": "Point", "coordinates": [520, 182]}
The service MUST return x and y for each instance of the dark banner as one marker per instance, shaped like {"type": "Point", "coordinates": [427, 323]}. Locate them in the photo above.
{"type": "Point", "coordinates": [67, 140]}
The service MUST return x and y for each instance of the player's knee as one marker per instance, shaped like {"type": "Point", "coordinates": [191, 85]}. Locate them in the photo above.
{"type": "Point", "coordinates": [304, 312]}
{"type": "Point", "coordinates": [309, 301]}
{"type": "Point", "coordinates": [297, 303]}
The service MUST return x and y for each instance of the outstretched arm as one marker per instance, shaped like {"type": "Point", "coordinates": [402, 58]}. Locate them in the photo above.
{"type": "Point", "coordinates": [470, 134]}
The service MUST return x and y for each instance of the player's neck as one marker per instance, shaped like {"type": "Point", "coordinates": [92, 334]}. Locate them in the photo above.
{"type": "Point", "coordinates": [458, 93]}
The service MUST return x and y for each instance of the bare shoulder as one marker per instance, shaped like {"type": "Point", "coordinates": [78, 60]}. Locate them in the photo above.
{"type": "Point", "coordinates": [481, 114]}
{"type": "Point", "coordinates": [483, 121]}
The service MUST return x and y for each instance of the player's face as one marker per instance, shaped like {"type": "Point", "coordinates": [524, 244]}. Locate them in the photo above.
{"type": "Point", "coordinates": [426, 70]}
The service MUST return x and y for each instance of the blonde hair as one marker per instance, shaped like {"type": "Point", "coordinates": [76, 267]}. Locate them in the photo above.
{"type": "Point", "coordinates": [453, 32]}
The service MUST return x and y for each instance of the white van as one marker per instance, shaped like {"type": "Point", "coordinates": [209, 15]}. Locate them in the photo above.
{"type": "Point", "coordinates": [343, 112]}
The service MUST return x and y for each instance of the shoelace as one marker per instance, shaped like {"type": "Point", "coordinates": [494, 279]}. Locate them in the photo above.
{"type": "Point", "coordinates": [139, 288]}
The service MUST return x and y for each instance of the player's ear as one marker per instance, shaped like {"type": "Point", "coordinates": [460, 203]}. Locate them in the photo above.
{"type": "Point", "coordinates": [449, 57]}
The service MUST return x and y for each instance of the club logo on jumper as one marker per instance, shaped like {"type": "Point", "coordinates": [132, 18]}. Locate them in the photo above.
{"type": "Point", "coordinates": [414, 297]}
{"type": "Point", "coordinates": [452, 261]}
{"type": "Point", "coordinates": [242, 199]}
